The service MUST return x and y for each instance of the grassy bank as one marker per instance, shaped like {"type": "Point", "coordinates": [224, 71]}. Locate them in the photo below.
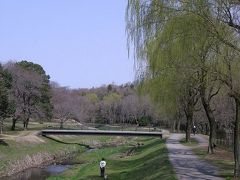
{"type": "Point", "coordinates": [16, 156]}
{"type": "Point", "coordinates": [24, 149]}
{"type": "Point", "coordinates": [127, 158]}
{"type": "Point", "coordinates": [140, 158]}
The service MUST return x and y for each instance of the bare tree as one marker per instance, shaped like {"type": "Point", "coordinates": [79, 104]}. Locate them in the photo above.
{"type": "Point", "coordinates": [25, 93]}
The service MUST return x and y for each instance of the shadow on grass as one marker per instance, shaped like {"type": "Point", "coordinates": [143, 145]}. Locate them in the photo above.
{"type": "Point", "coordinates": [62, 142]}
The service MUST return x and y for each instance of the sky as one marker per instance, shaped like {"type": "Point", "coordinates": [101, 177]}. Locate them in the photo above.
{"type": "Point", "coordinates": [79, 43]}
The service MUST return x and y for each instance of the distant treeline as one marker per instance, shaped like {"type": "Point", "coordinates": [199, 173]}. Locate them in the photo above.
{"type": "Point", "coordinates": [26, 93]}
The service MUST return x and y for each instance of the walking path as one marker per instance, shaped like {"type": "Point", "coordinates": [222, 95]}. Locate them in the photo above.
{"type": "Point", "coordinates": [187, 165]}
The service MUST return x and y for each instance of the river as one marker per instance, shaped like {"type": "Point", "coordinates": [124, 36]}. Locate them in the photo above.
{"type": "Point", "coordinates": [38, 173]}
{"type": "Point", "coordinates": [42, 173]}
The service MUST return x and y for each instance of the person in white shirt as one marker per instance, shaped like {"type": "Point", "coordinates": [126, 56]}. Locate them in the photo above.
{"type": "Point", "coordinates": [194, 129]}
{"type": "Point", "coordinates": [102, 165]}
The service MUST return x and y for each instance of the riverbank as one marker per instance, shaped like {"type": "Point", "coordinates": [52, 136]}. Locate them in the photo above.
{"type": "Point", "coordinates": [17, 156]}
{"type": "Point", "coordinates": [128, 157]}
{"type": "Point", "coordinates": [23, 150]}
{"type": "Point", "coordinates": [138, 158]}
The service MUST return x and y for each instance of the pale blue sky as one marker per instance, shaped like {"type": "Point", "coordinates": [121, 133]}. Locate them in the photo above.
{"type": "Point", "coordinates": [80, 43]}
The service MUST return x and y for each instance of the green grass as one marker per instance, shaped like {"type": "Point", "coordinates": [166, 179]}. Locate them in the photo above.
{"type": "Point", "coordinates": [149, 161]}
{"type": "Point", "coordinates": [120, 127]}
{"type": "Point", "coordinates": [38, 126]}
{"type": "Point", "coordinates": [192, 142]}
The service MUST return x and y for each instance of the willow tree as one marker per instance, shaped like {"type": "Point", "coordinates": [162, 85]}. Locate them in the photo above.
{"type": "Point", "coordinates": [167, 38]}
{"type": "Point", "coordinates": [228, 71]}
{"type": "Point", "coordinates": [200, 39]}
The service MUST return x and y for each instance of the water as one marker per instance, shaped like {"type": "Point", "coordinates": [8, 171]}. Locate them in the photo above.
{"type": "Point", "coordinates": [38, 173]}
{"type": "Point", "coordinates": [91, 150]}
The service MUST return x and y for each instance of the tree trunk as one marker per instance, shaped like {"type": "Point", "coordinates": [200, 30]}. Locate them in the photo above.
{"type": "Point", "coordinates": [189, 115]}
{"type": "Point", "coordinates": [174, 126]}
{"type": "Point", "coordinates": [61, 124]}
{"type": "Point", "coordinates": [236, 139]}
{"type": "Point", "coordinates": [206, 99]}
{"type": "Point", "coordinates": [212, 137]}
{"type": "Point", "coordinates": [189, 126]}
{"type": "Point", "coordinates": [202, 128]}
{"type": "Point", "coordinates": [178, 125]}
{"type": "Point", "coordinates": [27, 121]}
{"type": "Point", "coordinates": [212, 122]}
{"type": "Point", "coordinates": [1, 126]}
{"type": "Point", "coordinates": [24, 125]}
{"type": "Point", "coordinates": [14, 120]}
{"type": "Point", "coordinates": [189, 110]}
{"type": "Point", "coordinates": [206, 129]}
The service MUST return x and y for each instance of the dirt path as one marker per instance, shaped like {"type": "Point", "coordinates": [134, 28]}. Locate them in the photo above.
{"type": "Point", "coordinates": [187, 165]}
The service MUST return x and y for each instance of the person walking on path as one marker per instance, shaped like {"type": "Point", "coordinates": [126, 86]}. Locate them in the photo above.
{"type": "Point", "coordinates": [102, 165]}
{"type": "Point", "coordinates": [194, 130]}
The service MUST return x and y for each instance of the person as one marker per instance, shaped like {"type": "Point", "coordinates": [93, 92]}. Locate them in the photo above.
{"type": "Point", "coordinates": [194, 129]}
{"type": "Point", "coordinates": [102, 165]}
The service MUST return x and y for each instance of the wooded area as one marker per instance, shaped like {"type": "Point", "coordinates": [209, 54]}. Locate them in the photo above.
{"type": "Point", "coordinates": [28, 94]}
{"type": "Point", "coordinates": [188, 57]}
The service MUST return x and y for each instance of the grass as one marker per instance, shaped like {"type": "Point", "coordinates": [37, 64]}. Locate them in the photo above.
{"type": "Point", "coordinates": [34, 125]}
{"type": "Point", "coordinates": [192, 142]}
{"type": "Point", "coordinates": [149, 161]}
{"type": "Point", "coordinates": [120, 127]}
{"type": "Point", "coordinates": [38, 126]}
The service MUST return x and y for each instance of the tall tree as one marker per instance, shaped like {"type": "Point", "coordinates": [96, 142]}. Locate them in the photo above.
{"type": "Point", "coordinates": [209, 24]}
{"type": "Point", "coordinates": [45, 99]}
{"type": "Point", "coordinates": [5, 84]}
{"type": "Point", "coordinates": [25, 93]}
{"type": "Point", "coordinates": [228, 73]}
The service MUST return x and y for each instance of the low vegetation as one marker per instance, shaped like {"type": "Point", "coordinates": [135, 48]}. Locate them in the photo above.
{"type": "Point", "coordinates": [140, 158]}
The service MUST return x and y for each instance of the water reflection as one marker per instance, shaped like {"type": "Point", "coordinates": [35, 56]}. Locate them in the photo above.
{"type": "Point", "coordinates": [38, 173]}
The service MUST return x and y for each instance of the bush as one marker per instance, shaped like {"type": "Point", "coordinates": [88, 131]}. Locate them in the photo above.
{"type": "Point", "coordinates": [145, 120]}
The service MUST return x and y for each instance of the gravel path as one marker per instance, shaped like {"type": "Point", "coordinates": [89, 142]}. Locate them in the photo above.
{"type": "Point", "coordinates": [187, 165]}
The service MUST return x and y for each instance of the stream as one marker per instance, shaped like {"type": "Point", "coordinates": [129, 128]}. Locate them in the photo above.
{"type": "Point", "coordinates": [38, 173]}
{"type": "Point", "coordinates": [42, 173]}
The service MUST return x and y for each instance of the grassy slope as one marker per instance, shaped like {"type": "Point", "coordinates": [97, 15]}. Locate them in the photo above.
{"type": "Point", "coordinates": [149, 161]}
